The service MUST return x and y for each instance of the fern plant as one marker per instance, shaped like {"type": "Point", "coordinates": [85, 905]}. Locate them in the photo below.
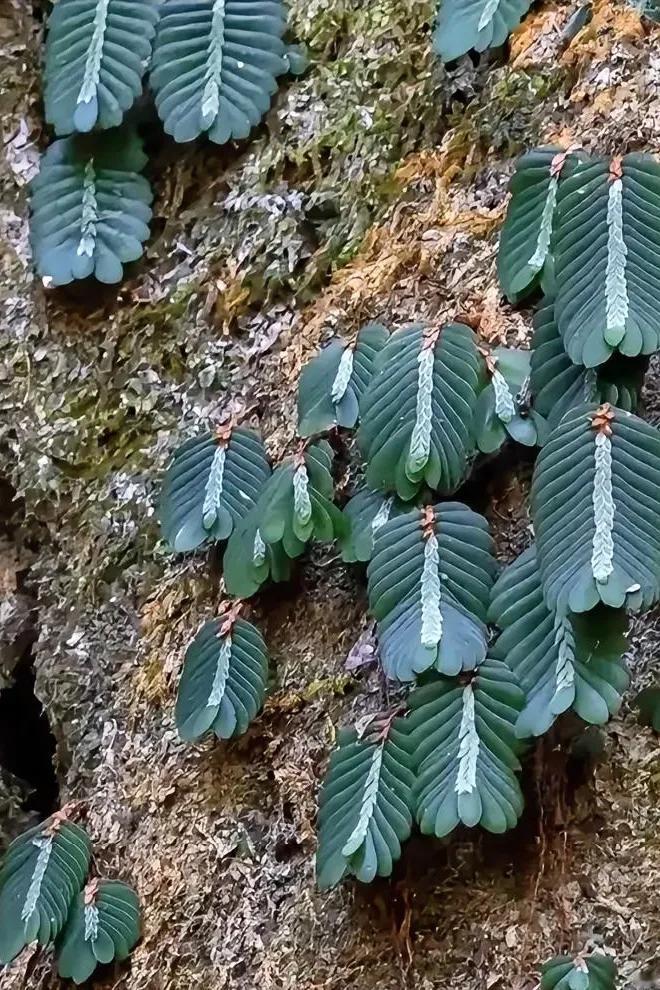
{"type": "Point", "coordinates": [42, 900]}
{"type": "Point", "coordinates": [224, 679]}
{"type": "Point", "coordinates": [332, 384]}
{"type": "Point", "coordinates": [504, 407]}
{"type": "Point", "coordinates": [90, 208]}
{"type": "Point", "coordinates": [427, 402]}
{"type": "Point", "coordinates": [560, 661]}
{"type": "Point", "coordinates": [213, 67]}
{"type": "Point", "coordinates": [561, 608]}
{"type": "Point", "coordinates": [97, 52]}
{"type": "Point", "coordinates": [557, 385]}
{"type": "Point", "coordinates": [524, 255]}
{"type": "Point", "coordinates": [596, 513]}
{"type": "Point", "coordinates": [466, 751]}
{"type": "Point", "coordinates": [417, 412]}
{"type": "Point", "coordinates": [43, 871]}
{"type": "Point", "coordinates": [103, 927]}
{"type": "Point", "coordinates": [478, 24]}
{"type": "Point", "coordinates": [365, 807]}
{"type": "Point", "coordinates": [211, 485]}
{"type": "Point", "coordinates": [429, 582]}
{"type": "Point", "coordinates": [585, 972]}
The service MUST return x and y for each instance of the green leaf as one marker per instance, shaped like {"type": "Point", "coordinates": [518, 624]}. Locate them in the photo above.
{"type": "Point", "coordinates": [294, 506]}
{"type": "Point", "coordinates": [558, 385]}
{"type": "Point", "coordinates": [90, 208]}
{"type": "Point", "coordinates": [526, 234]}
{"type": "Point", "coordinates": [365, 514]}
{"type": "Point", "coordinates": [215, 65]}
{"type": "Point", "coordinates": [332, 384]}
{"type": "Point", "coordinates": [249, 561]}
{"type": "Point", "coordinates": [429, 584]}
{"type": "Point", "coordinates": [417, 413]}
{"type": "Point", "coordinates": [478, 24]}
{"type": "Point", "coordinates": [594, 972]}
{"type": "Point", "coordinates": [297, 59]}
{"type": "Point", "coordinates": [365, 804]}
{"type": "Point", "coordinates": [648, 8]}
{"type": "Point", "coordinates": [104, 925]}
{"type": "Point", "coordinates": [607, 263]}
{"type": "Point", "coordinates": [296, 503]}
{"type": "Point", "coordinates": [224, 679]}
{"type": "Point", "coordinates": [648, 702]}
{"type": "Point", "coordinates": [565, 662]}
{"type": "Point", "coordinates": [596, 511]}
{"type": "Point", "coordinates": [465, 751]}
{"type": "Point", "coordinates": [43, 870]}
{"type": "Point", "coordinates": [97, 52]}
{"type": "Point", "coordinates": [503, 407]}
{"type": "Point", "coordinates": [211, 485]}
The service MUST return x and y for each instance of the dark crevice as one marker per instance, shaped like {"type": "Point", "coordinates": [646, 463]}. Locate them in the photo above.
{"type": "Point", "coordinates": [27, 745]}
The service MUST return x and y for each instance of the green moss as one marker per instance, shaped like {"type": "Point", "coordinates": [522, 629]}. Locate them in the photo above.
{"type": "Point", "coordinates": [305, 195]}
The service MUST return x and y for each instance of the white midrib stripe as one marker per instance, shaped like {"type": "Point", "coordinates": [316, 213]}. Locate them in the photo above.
{"type": "Point", "coordinates": [564, 666]}
{"type": "Point", "coordinates": [343, 376]}
{"type": "Point", "coordinates": [221, 674]}
{"type": "Point", "coordinates": [92, 71]}
{"type": "Point", "coordinates": [420, 440]}
{"type": "Point", "coordinates": [488, 13]}
{"type": "Point", "coordinates": [211, 94]}
{"type": "Point", "coordinates": [616, 287]}
{"type": "Point", "coordinates": [602, 548]}
{"type": "Point", "coordinates": [369, 799]}
{"type": "Point", "coordinates": [431, 593]}
{"type": "Point", "coordinates": [469, 744]}
{"type": "Point", "coordinates": [45, 847]}
{"type": "Point", "coordinates": [90, 212]}
{"type": "Point", "coordinates": [545, 230]}
{"type": "Point", "coordinates": [213, 488]}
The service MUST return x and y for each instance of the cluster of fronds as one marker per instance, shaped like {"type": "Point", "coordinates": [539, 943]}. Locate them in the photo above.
{"type": "Point", "coordinates": [212, 67]}
{"type": "Point", "coordinates": [44, 899]}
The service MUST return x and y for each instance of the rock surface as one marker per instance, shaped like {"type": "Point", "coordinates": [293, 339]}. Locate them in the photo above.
{"type": "Point", "coordinates": [373, 190]}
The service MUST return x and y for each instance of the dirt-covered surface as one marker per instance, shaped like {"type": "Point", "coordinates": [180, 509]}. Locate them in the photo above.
{"type": "Point", "coordinates": [374, 190]}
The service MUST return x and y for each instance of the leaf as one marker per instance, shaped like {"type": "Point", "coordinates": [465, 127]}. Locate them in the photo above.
{"type": "Point", "coordinates": [596, 511]}
{"type": "Point", "coordinates": [594, 972]}
{"type": "Point", "coordinates": [648, 702]}
{"type": "Point", "coordinates": [465, 751]}
{"type": "Point", "coordinates": [296, 504]}
{"type": "Point", "coordinates": [104, 925]}
{"type": "Point", "coordinates": [416, 416]}
{"type": "Point", "coordinates": [606, 259]}
{"type": "Point", "coordinates": [332, 384]}
{"type": "Point", "coordinates": [526, 235]}
{"type": "Point", "coordinates": [558, 385]}
{"type": "Point", "coordinates": [429, 584]}
{"type": "Point", "coordinates": [478, 24]}
{"type": "Point", "coordinates": [297, 59]}
{"type": "Point", "coordinates": [503, 407]}
{"type": "Point", "coordinates": [249, 561]}
{"type": "Point", "coordinates": [365, 805]}
{"type": "Point", "coordinates": [90, 208]}
{"type": "Point", "coordinates": [43, 870]}
{"type": "Point", "coordinates": [211, 485]}
{"type": "Point", "coordinates": [224, 679]}
{"type": "Point", "coordinates": [215, 65]}
{"type": "Point", "coordinates": [365, 514]}
{"type": "Point", "coordinates": [565, 662]}
{"type": "Point", "coordinates": [97, 52]}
